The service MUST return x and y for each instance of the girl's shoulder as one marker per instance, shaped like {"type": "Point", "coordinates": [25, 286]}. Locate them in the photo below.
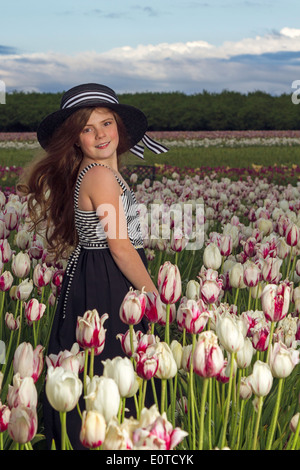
{"type": "Point", "coordinates": [90, 176]}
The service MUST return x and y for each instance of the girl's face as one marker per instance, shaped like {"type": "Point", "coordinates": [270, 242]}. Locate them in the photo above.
{"type": "Point", "coordinates": [99, 138]}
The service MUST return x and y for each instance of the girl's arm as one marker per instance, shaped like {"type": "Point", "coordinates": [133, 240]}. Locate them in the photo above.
{"type": "Point", "coordinates": [106, 200]}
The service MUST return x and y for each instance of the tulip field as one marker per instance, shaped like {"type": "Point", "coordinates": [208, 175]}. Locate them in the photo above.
{"type": "Point", "coordinates": [224, 331]}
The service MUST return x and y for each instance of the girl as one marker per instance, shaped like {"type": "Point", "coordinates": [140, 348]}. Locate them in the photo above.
{"type": "Point", "coordinates": [77, 193]}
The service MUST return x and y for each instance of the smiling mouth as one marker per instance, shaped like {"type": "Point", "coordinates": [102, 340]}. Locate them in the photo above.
{"type": "Point", "coordinates": [102, 146]}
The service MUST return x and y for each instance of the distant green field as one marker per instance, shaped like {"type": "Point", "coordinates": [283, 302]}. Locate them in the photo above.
{"type": "Point", "coordinates": [212, 157]}
{"type": "Point", "coordinates": [189, 157]}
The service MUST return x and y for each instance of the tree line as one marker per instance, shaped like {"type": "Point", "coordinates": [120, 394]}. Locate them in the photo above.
{"type": "Point", "coordinates": [227, 110]}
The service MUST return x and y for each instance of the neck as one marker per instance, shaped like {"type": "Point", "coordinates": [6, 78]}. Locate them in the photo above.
{"type": "Point", "coordinates": [110, 162]}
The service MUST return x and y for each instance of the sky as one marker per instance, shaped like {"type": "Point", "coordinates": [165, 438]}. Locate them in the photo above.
{"type": "Point", "coordinates": [158, 45]}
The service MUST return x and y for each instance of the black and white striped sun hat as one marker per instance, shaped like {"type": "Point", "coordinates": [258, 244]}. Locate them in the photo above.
{"type": "Point", "coordinates": [95, 95]}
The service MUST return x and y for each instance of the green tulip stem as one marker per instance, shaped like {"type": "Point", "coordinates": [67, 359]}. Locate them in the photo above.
{"type": "Point", "coordinates": [202, 411]}
{"type": "Point", "coordinates": [167, 329]}
{"type": "Point", "coordinates": [1, 312]}
{"type": "Point", "coordinates": [259, 411]}
{"type": "Point", "coordinates": [192, 397]}
{"type": "Point", "coordinates": [275, 415]}
{"type": "Point", "coordinates": [63, 421]}
{"type": "Point", "coordinates": [163, 395]}
{"type": "Point", "coordinates": [86, 356]}
{"type": "Point", "coordinates": [154, 391]}
{"type": "Point", "coordinates": [92, 357]}
{"type": "Point", "coordinates": [289, 263]}
{"type": "Point", "coordinates": [223, 438]}
{"type": "Point", "coordinates": [249, 298]}
{"type": "Point", "coordinates": [270, 340]}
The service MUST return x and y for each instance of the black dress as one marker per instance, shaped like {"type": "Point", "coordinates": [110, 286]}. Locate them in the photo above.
{"type": "Point", "coordinates": [92, 281]}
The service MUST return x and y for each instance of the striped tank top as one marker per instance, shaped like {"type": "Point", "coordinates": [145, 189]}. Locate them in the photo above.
{"type": "Point", "coordinates": [87, 223]}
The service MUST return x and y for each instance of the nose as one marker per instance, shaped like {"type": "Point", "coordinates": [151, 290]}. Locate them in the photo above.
{"type": "Point", "coordinates": [100, 132]}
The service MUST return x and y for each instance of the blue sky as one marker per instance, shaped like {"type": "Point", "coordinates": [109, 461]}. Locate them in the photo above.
{"type": "Point", "coordinates": [157, 45]}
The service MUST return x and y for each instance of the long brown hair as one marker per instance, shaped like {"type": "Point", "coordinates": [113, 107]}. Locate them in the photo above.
{"type": "Point", "coordinates": [49, 183]}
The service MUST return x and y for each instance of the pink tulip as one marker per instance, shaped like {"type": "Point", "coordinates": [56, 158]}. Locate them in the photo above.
{"type": "Point", "coordinates": [28, 362]}
{"type": "Point", "coordinates": [90, 332]}
{"type": "Point", "coordinates": [22, 392]}
{"type": "Point", "coordinates": [251, 274]}
{"type": "Point", "coordinates": [34, 310]}
{"type": "Point", "coordinates": [6, 252]}
{"type": "Point", "coordinates": [208, 359]}
{"type": "Point", "coordinates": [72, 360]}
{"type": "Point", "coordinates": [270, 270]}
{"type": "Point", "coordinates": [153, 308]}
{"type": "Point", "coordinates": [11, 322]}
{"type": "Point", "coordinates": [11, 218]}
{"type": "Point", "coordinates": [275, 300]}
{"type": "Point", "coordinates": [6, 280]}
{"type": "Point", "coordinates": [125, 341]}
{"type": "Point", "coordinates": [260, 334]}
{"type": "Point", "coordinates": [4, 417]}
{"type": "Point", "coordinates": [225, 245]}
{"type": "Point", "coordinates": [192, 315]}
{"type": "Point", "coordinates": [42, 275]}
{"type": "Point", "coordinates": [133, 307]}
{"type": "Point", "coordinates": [22, 425]}
{"type": "Point", "coordinates": [146, 365]}
{"type": "Point", "coordinates": [292, 234]}
{"type": "Point", "coordinates": [159, 435]}
{"type": "Point", "coordinates": [169, 283]}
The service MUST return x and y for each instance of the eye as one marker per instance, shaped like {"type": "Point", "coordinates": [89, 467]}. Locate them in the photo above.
{"type": "Point", "coordinates": [86, 129]}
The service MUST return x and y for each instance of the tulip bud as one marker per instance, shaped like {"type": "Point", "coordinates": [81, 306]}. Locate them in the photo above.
{"type": "Point", "coordinates": [90, 332]}
{"type": "Point", "coordinates": [208, 359]}
{"type": "Point", "coordinates": [103, 396]}
{"type": "Point", "coordinates": [245, 354]}
{"type": "Point", "coordinates": [122, 371]}
{"type": "Point", "coordinates": [42, 275]}
{"type": "Point", "coordinates": [212, 257]}
{"type": "Point", "coordinates": [93, 428]}
{"type": "Point", "coordinates": [146, 365]}
{"type": "Point", "coordinates": [282, 360]}
{"type": "Point", "coordinates": [294, 422]}
{"type": "Point", "coordinates": [177, 351]}
{"type": "Point", "coordinates": [11, 322]}
{"type": "Point", "coordinates": [125, 341]}
{"type": "Point", "coordinates": [133, 307]}
{"type": "Point", "coordinates": [6, 280]}
{"type": "Point", "coordinates": [34, 310]}
{"type": "Point", "coordinates": [225, 245]}
{"type": "Point", "coordinates": [192, 315]}
{"type": "Point", "coordinates": [28, 362]}
{"type": "Point", "coordinates": [153, 308]}
{"type": "Point", "coordinates": [167, 367]}
{"type": "Point", "coordinates": [245, 389]}
{"type": "Point", "coordinates": [292, 234]}
{"type": "Point", "coordinates": [4, 417]}
{"type": "Point", "coordinates": [24, 289]}
{"type": "Point", "coordinates": [192, 290]}
{"type": "Point", "coordinates": [261, 379]}
{"type": "Point", "coordinates": [169, 283]}
{"type": "Point", "coordinates": [251, 274]}
{"type": "Point", "coordinates": [22, 425]}
{"type": "Point", "coordinates": [260, 334]}
{"type": "Point", "coordinates": [229, 332]}
{"type": "Point", "coordinates": [270, 270]}
{"type": "Point", "coordinates": [21, 265]}
{"type": "Point", "coordinates": [236, 276]}
{"type": "Point", "coordinates": [63, 389]}
{"type": "Point", "coordinates": [22, 392]}
{"type": "Point", "coordinates": [275, 300]}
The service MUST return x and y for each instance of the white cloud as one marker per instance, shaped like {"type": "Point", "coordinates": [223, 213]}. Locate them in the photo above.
{"type": "Point", "coordinates": [269, 63]}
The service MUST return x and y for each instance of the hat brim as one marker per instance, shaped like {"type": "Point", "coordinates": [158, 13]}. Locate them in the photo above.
{"type": "Point", "coordinates": [133, 119]}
